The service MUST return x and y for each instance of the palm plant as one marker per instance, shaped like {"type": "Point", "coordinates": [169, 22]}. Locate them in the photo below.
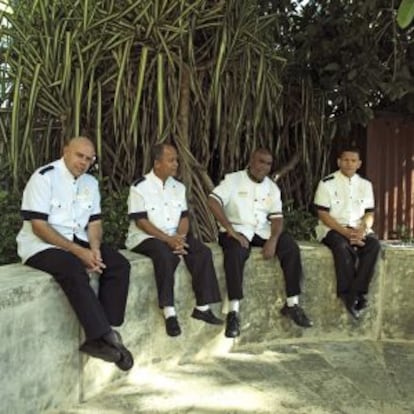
{"type": "Point", "coordinates": [216, 77]}
{"type": "Point", "coordinates": [202, 74]}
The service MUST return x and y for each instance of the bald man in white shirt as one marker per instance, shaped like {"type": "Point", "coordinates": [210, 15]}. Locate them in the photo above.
{"type": "Point", "coordinates": [62, 235]}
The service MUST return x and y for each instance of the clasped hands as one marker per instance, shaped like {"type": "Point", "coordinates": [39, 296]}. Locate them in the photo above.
{"type": "Point", "coordinates": [92, 259]}
{"type": "Point", "coordinates": [356, 236]}
{"type": "Point", "coordinates": [178, 244]}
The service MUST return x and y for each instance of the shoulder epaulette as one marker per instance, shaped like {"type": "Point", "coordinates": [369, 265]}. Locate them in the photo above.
{"type": "Point", "coordinates": [138, 180]}
{"type": "Point", "coordinates": [329, 177]}
{"type": "Point", "coordinates": [46, 169]}
{"type": "Point", "coordinates": [177, 179]}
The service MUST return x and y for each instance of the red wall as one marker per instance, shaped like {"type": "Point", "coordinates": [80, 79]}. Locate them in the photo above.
{"type": "Point", "coordinates": [390, 166]}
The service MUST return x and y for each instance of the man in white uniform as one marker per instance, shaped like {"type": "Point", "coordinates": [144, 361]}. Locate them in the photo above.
{"type": "Point", "coordinates": [159, 229]}
{"type": "Point", "coordinates": [62, 235]}
{"type": "Point", "coordinates": [247, 204]}
{"type": "Point", "coordinates": [345, 205]}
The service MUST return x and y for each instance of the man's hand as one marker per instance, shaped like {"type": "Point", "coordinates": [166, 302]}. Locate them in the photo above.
{"type": "Point", "coordinates": [239, 237]}
{"type": "Point", "coordinates": [269, 248]}
{"type": "Point", "coordinates": [177, 244]}
{"type": "Point", "coordinates": [356, 236]}
{"type": "Point", "coordinates": [91, 258]}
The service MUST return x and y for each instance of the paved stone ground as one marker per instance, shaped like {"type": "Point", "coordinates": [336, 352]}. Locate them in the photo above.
{"type": "Point", "coordinates": [275, 377]}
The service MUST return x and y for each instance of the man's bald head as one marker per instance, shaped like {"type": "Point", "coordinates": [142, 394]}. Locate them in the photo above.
{"type": "Point", "coordinates": [78, 155]}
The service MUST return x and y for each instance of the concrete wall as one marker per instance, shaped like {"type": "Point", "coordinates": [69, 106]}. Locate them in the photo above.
{"type": "Point", "coordinates": [40, 336]}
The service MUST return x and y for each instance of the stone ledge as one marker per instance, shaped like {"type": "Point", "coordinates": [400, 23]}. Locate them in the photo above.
{"type": "Point", "coordinates": [40, 334]}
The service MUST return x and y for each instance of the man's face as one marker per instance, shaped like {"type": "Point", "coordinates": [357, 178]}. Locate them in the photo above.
{"type": "Point", "coordinates": [167, 165]}
{"type": "Point", "coordinates": [260, 165]}
{"type": "Point", "coordinates": [78, 156]}
{"type": "Point", "coordinates": [349, 163]}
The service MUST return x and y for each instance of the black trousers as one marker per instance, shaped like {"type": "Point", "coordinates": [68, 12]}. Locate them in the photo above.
{"type": "Point", "coordinates": [354, 265]}
{"type": "Point", "coordinates": [235, 257]}
{"type": "Point", "coordinates": [95, 313]}
{"type": "Point", "coordinates": [199, 262]}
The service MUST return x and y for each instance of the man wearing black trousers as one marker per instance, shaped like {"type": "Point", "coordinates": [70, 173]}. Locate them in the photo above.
{"type": "Point", "coordinates": [345, 205]}
{"type": "Point", "coordinates": [248, 207]}
{"type": "Point", "coordinates": [159, 229]}
{"type": "Point", "coordinates": [62, 235]}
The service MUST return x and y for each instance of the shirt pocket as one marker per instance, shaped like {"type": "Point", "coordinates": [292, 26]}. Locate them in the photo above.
{"type": "Point", "coordinates": [176, 208]}
{"type": "Point", "coordinates": [57, 206]}
{"type": "Point", "coordinates": [58, 211]}
{"type": "Point", "coordinates": [177, 205]}
{"type": "Point", "coordinates": [83, 210]}
{"type": "Point", "coordinates": [152, 207]}
{"type": "Point", "coordinates": [338, 199]}
{"type": "Point", "coordinates": [86, 206]}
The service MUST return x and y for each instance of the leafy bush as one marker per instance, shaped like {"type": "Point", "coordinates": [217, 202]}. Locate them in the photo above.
{"type": "Point", "coordinates": [115, 216]}
{"type": "Point", "coordinates": [9, 226]}
{"type": "Point", "coordinates": [299, 222]}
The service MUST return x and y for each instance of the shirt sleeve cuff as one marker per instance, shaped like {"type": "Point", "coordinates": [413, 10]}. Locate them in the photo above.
{"type": "Point", "coordinates": [138, 216]}
{"type": "Point", "coordinates": [95, 217]}
{"type": "Point", "coordinates": [319, 207]}
{"type": "Point", "coordinates": [34, 215]}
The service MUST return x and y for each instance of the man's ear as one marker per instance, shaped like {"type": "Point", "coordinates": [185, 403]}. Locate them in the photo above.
{"type": "Point", "coordinates": [94, 166]}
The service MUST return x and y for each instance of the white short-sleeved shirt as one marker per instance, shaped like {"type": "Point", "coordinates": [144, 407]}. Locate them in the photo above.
{"type": "Point", "coordinates": [163, 204]}
{"type": "Point", "coordinates": [347, 199]}
{"type": "Point", "coordinates": [67, 204]}
{"type": "Point", "coordinates": [249, 205]}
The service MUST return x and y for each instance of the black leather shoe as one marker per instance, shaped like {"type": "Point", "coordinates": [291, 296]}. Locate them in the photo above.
{"type": "Point", "coordinates": [126, 360]}
{"type": "Point", "coordinates": [361, 302]}
{"type": "Point", "coordinates": [98, 348]}
{"type": "Point", "coordinates": [206, 316]}
{"type": "Point", "coordinates": [297, 314]}
{"type": "Point", "coordinates": [232, 325]}
{"type": "Point", "coordinates": [350, 302]}
{"type": "Point", "coordinates": [172, 327]}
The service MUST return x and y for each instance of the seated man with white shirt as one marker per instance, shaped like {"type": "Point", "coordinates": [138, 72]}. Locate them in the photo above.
{"type": "Point", "coordinates": [159, 229]}
{"type": "Point", "coordinates": [247, 204]}
{"type": "Point", "coordinates": [62, 235]}
{"type": "Point", "coordinates": [345, 205]}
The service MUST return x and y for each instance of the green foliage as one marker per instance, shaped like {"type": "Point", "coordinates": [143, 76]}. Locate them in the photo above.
{"type": "Point", "coordinates": [203, 74]}
{"type": "Point", "coordinates": [216, 78]}
{"type": "Point", "coordinates": [299, 222]}
{"type": "Point", "coordinates": [9, 226]}
{"type": "Point", "coordinates": [403, 233]}
{"type": "Point", "coordinates": [115, 216]}
{"type": "Point", "coordinates": [405, 13]}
